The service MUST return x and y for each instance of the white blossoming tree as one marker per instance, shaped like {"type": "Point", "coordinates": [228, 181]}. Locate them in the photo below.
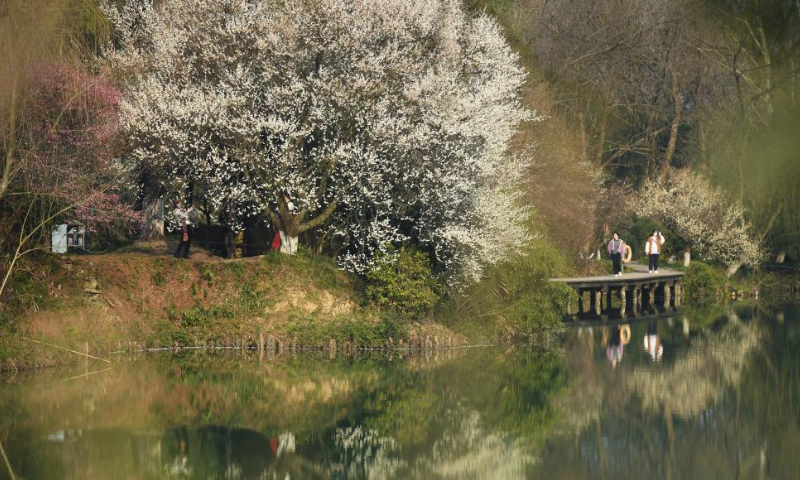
{"type": "Point", "coordinates": [708, 223]}
{"type": "Point", "coordinates": [379, 121]}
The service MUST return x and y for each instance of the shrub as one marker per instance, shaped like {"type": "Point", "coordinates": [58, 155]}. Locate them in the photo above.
{"type": "Point", "coordinates": [402, 281]}
{"type": "Point", "coordinates": [516, 298]}
{"type": "Point", "coordinates": [703, 281]}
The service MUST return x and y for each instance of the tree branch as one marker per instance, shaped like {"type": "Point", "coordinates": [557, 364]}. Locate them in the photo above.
{"type": "Point", "coordinates": [319, 219]}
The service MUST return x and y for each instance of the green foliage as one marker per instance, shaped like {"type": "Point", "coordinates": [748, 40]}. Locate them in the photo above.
{"type": "Point", "coordinates": [157, 278]}
{"type": "Point", "coordinates": [516, 297]}
{"type": "Point", "coordinates": [402, 282]}
{"type": "Point", "coordinates": [702, 281]}
{"type": "Point", "coordinates": [93, 24]}
{"type": "Point", "coordinates": [201, 316]}
{"type": "Point", "coordinates": [497, 8]}
{"type": "Point", "coordinates": [207, 275]}
{"type": "Point", "coordinates": [24, 292]}
{"type": "Point", "coordinates": [514, 392]}
{"type": "Point", "coordinates": [167, 333]}
{"type": "Point", "coordinates": [361, 330]}
{"type": "Point", "coordinates": [11, 346]}
{"type": "Point", "coordinates": [641, 230]}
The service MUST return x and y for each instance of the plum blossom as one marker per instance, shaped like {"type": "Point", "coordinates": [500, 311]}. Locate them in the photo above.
{"type": "Point", "coordinates": [383, 121]}
{"type": "Point", "coordinates": [701, 214]}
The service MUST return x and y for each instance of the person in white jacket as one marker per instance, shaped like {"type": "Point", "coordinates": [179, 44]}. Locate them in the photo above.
{"type": "Point", "coordinates": [653, 249]}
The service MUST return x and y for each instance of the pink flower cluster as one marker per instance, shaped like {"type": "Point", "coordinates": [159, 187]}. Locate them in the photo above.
{"type": "Point", "coordinates": [72, 120]}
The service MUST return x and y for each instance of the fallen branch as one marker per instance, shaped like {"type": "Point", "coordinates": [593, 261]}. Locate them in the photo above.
{"type": "Point", "coordinates": [8, 464]}
{"type": "Point", "coordinates": [67, 349]}
{"type": "Point", "coordinates": [86, 374]}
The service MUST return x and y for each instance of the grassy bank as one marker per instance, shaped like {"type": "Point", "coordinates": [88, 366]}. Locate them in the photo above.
{"type": "Point", "coordinates": [705, 282]}
{"type": "Point", "coordinates": [141, 298]}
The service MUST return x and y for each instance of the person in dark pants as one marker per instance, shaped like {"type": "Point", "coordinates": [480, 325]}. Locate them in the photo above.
{"type": "Point", "coordinates": [184, 219]}
{"type": "Point", "coordinates": [616, 247]}
{"type": "Point", "coordinates": [653, 250]}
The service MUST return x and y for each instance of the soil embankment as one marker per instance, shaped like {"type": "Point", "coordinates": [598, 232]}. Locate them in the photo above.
{"type": "Point", "coordinates": [141, 298]}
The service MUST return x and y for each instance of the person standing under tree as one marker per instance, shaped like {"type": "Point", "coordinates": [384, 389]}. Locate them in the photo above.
{"type": "Point", "coordinates": [616, 247]}
{"type": "Point", "coordinates": [653, 250]}
{"type": "Point", "coordinates": [184, 219]}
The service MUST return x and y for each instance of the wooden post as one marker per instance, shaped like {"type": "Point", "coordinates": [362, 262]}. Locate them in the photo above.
{"type": "Point", "coordinates": [667, 293]}
{"type": "Point", "coordinates": [598, 296]}
{"type": "Point", "coordinates": [677, 293]}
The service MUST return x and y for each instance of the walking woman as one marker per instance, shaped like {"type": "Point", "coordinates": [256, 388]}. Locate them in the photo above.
{"type": "Point", "coordinates": [653, 250]}
{"type": "Point", "coordinates": [616, 247]}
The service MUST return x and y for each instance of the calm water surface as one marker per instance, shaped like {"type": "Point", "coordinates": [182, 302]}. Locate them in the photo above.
{"type": "Point", "coordinates": [708, 394]}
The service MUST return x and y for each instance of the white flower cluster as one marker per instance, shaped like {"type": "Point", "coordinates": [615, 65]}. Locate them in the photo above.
{"type": "Point", "coordinates": [364, 453]}
{"type": "Point", "coordinates": [397, 113]}
{"type": "Point", "coordinates": [703, 217]}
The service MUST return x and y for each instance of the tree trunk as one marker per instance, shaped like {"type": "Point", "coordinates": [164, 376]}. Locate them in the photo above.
{"type": "Point", "coordinates": [781, 257]}
{"type": "Point", "coordinates": [764, 46]}
{"type": "Point", "coordinates": [292, 223]}
{"type": "Point", "coordinates": [584, 141]}
{"type": "Point", "coordinates": [153, 210]}
{"type": "Point", "coordinates": [687, 256]}
{"type": "Point", "coordinates": [288, 243]}
{"type": "Point", "coordinates": [601, 142]}
{"type": "Point", "coordinates": [732, 269]}
{"type": "Point", "coordinates": [703, 140]}
{"type": "Point", "coordinates": [674, 128]}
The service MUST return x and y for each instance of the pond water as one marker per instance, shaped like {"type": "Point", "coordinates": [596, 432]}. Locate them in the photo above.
{"type": "Point", "coordinates": [704, 394]}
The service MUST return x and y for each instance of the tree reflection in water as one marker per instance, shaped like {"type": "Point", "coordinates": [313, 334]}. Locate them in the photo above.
{"type": "Point", "coordinates": [711, 409]}
{"type": "Point", "coordinates": [722, 401]}
{"type": "Point", "coordinates": [479, 414]}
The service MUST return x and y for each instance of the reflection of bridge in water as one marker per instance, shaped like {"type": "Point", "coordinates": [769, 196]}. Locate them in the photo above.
{"type": "Point", "coordinates": [630, 295]}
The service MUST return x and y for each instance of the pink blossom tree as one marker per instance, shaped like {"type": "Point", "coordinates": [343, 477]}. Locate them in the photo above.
{"type": "Point", "coordinates": [65, 168]}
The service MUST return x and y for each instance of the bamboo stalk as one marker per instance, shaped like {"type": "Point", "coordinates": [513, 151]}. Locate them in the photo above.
{"type": "Point", "coordinates": [67, 349]}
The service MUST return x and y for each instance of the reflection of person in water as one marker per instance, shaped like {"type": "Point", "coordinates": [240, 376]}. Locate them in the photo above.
{"type": "Point", "coordinates": [652, 342]}
{"type": "Point", "coordinates": [179, 468]}
{"type": "Point", "coordinates": [615, 347]}
{"type": "Point", "coordinates": [686, 330]}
